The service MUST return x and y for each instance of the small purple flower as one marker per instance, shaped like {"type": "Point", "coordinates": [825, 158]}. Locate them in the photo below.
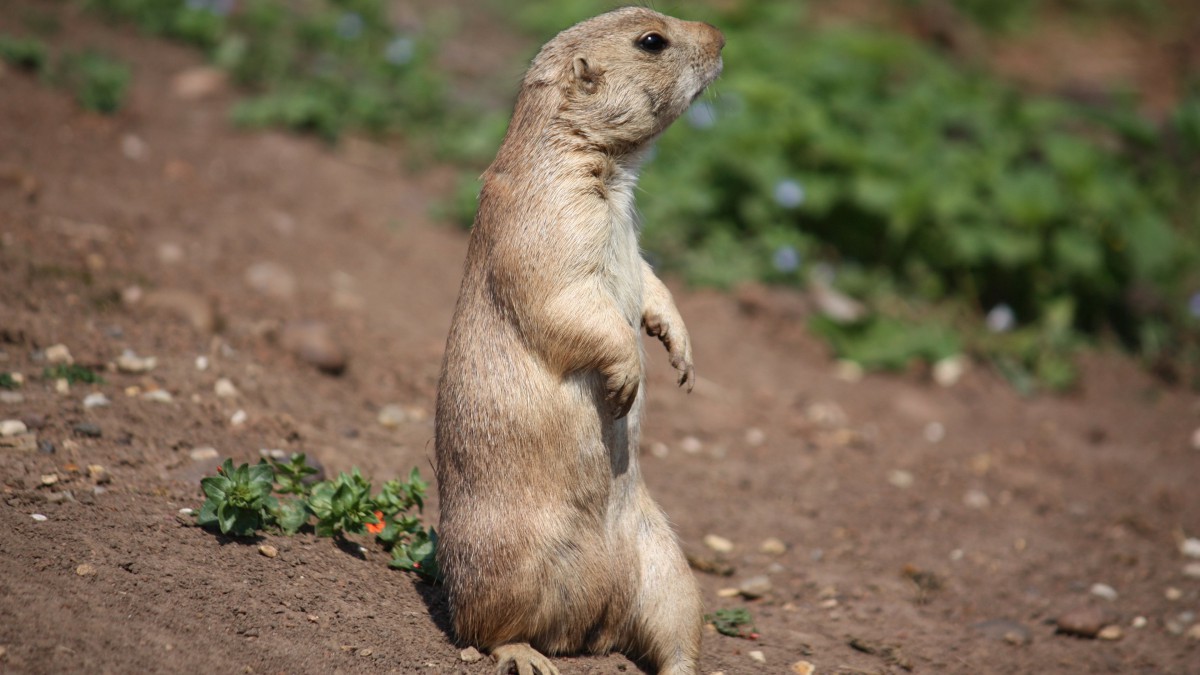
{"type": "Point", "coordinates": [349, 26]}
{"type": "Point", "coordinates": [786, 259]}
{"type": "Point", "coordinates": [1001, 319]}
{"type": "Point", "coordinates": [789, 193]}
{"type": "Point", "coordinates": [218, 7]}
{"type": "Point", "coordinates": [1194, 306]}
{"type": "Point", "coordinates": [702, 115]}
{"type": "Point", "coordinates": [400, 51]}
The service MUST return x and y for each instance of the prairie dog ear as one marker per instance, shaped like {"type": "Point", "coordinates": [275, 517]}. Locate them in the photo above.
{"type": "Point", "coordinates": [585, 75]}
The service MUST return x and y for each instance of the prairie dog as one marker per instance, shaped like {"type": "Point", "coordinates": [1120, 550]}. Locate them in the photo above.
{"type": "Point", "coordinates": [548, 541]}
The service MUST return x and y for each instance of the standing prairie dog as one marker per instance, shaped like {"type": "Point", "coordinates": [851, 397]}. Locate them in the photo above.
{"type": "Point", "coordinates": [549, 542]}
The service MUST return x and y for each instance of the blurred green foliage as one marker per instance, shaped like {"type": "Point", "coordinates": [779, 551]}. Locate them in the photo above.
{"type": "Point", "coordinates": [26, 53]}
{"type": "Point", "coordinates": [98, 81]}
{"type": "Point", "coordinates": [932, 192]}
{"type": "Point", "coordinates": [917, 183]}
{"type": "Point", "coordinates": [323, 66]}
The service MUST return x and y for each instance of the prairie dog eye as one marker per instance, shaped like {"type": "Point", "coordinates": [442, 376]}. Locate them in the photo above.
{"type": "Point", "coordinates": [652, 42]}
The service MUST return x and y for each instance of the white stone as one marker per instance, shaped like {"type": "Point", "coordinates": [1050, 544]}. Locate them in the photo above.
{"type": "Point", "coordinates": [59, 354]}
{"type": "Point", "coordinates": [391, 416]}
{"type": "Point", "coordinates": [12, 428]}
{"type": "Point", "coordinates": [948, 371]}
{"type": "Point", "coordinates": [95, 400]}
{"type": "Point", "coordinates": [976, 499]}
{"type": "Point", "coordinates": [129, 362]}
{"type": "Point", "coordinates": [755, 437]}
{"type": "Point", "coordinates": [757, 656]}
{"type": "Point", "coordinates": [690, 444]}
{"type": "Point", "coordinates": [239, 418]}
{"type": "Point", "coordinates": [201, 363]}
{"type": "Point", "coordinates": [1192, 570]}
{"type": "Point", "coordinates": [158, 396]}
{"type": "Point", "coordinates": [38, 517]}
{"type": "Point", "coordinates": [901, 478]}
{"type": "Point", "coordinates": [224, 388]}
{"type": "Point", "coordinates": [1190, 547]}
{"type": "Point", "coordinates": [718, 543]}
{"type": "Point", "coordinates": [204, 453]}
{"type": "Point", "coordinates": [1104, 591]}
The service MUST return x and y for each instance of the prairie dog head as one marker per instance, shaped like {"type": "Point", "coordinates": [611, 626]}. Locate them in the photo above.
{"type": "Point", "coordinates": [622, 77]}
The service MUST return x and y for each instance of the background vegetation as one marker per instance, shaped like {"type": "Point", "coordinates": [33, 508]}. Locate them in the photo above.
{"type": "Point", "coordinates": [964, 214]}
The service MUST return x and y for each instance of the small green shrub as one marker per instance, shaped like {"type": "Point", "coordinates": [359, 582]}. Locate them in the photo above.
{"type": "Point", "coordinates": [99, 82]}
{"type": "Point", "coordinates": [72, 373]}
{"type": "Point", "coordinates": [25, 53]}
{"type": "Point", "coordinates": [241, 501]}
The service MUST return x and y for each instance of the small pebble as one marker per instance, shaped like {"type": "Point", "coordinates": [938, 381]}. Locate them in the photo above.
{"type": "Point", "coordinates": [13, 428]}
{"type": "Point", "coordinates": [87, 430]}
{"type": "Point", "coordinates": [85, 570]}
{"type": "Point", "coordinates": [202, 363]}
{"type": "Point", "coordinates": [934, 432]}
{"type": "Point", "coordinates": [95, 400]}
{"type": "Point", "coordinates": [976, 499]}
{"type": "Point", "coordinates": [271, 279]}
{"type": "Point", "coordinates": [12, 397]}
{"type": "Point", "coordinates": [38, 517]}
{"type": "Point", "coordinates": [130, 362]}
{"type": "Point", "coordinates": [470, 655]}
{"type": "Point", "coordinates": [366, 652]}
{"type": "Point", "coordinates": [238, 418]}
{"type": "Point", "coordinates": [313, 343]}
{"type": "Point", "coordinates": [755, 437]}
{"type": "Point", "coordinates": [690, 444]}
{"type": "Point", "coordinates": [755, 587]}
{"type": "Point", "coordinates": [224, 388]}
{"type": "Point", "coordinates": [99, 474]}
{"type": "Point", "coordinates": [62, 386]}
{"type": "Point", "coordinates": [1084, 622]}
{"type": "Point", "coordinates": [900, 478]}
{"type": "Point", "coordinates": [1193, 633]}
{"type": "Point", "coordinates": [848, 371]}
{"type": "Point", "coordinates": [1104, 591]}
{"type": "Point", "coordinates": [1190, 547]}
{"type": "Point", "coordinates": [1192, 570]}
{"type": "Point", "coordinates": [773, 546]}
{"type": "Point", "coordinates": [728, 592]}
{"type": "Point", "coordinates": [1111, 633]}
{"type": "Point", "coordinates": [948, 371]}
{"type": "Point", "coordinates": [158, 396]}
{"type": "Point", "coordinates": [49, 479]}
{"type": "Point", "coordinates": [659, 449]}
{"type": "Point", "coordinates": [1004, 630]}
{"type": "Point", "coordinates": [391, 416]}
{"type": "Point", "coordinates": [268, 550]}
{"type": "Point", "coordinates": [313, 618]}
{"type": "Point", "coordinates": [1196, 439]}
{"type": "Point", "coordinates": [1173, 594]}
{"type": "Point", "coordinates": [204, 454]}
{"type": "Point", "coordinates": [757, 656]}
{"type": "Point", "coordinates": [59, 354]}
{"type": "Point", "coordinates": [803, 668]}
{"type": "Point", "coordinates": [718, 543]}
{"type": "Point", "coordinates": [186, 511]}
{"type": "Point", "coordinates": [1139, 622]}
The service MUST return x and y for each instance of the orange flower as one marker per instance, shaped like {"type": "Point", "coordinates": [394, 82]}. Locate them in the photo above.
{"type": "Point", "coordinates": [376, 528]}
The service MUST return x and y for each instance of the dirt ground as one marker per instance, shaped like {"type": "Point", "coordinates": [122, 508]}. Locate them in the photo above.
{"type": "Point", "coordinates": [911, 514]}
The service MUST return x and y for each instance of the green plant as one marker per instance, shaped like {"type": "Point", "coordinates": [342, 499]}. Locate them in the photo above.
{"type": "Point", "coordinates": [734, 622]}
{"type": "Point", "coordinates": [318, 67]}
{"type": "Point", "coordinates": [343, 506]}
{"type": "Point", "coordinates": [238, 501]}
{"type": "Point", "coordinates": [99, 82]}
{"type": "Point", "coordinates": [25, 53]}
{"type": "Point", "coordinates": [7, 381]}
{"type": "Point", "coordinates": [72, 373]}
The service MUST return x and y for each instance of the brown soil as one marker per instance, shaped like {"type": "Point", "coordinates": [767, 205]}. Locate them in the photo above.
{"type": "Point", "coordinates": [1097, 487]}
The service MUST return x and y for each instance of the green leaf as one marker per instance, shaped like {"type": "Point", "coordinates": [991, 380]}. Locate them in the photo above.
{"type": "Point", "coordinates": [216, 488]}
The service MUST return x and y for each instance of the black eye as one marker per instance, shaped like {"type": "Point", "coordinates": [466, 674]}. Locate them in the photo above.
{"type": "Point", "coordinates": [652, 42]}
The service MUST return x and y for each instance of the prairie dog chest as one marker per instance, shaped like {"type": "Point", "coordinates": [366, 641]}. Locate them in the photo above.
{"type": "Point", "coordinates": [622, 267]}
